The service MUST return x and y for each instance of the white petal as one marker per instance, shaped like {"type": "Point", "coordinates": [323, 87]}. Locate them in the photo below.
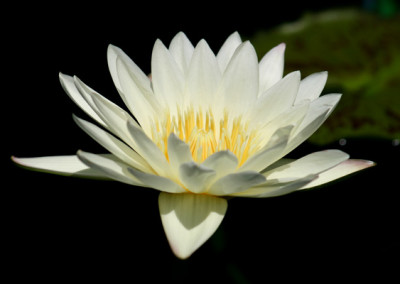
{"type": "Point", "coordinates": [178, 152]}
{"type": "Point", "coordinates": [149, 151]}
{"type": "Point", "coordinates": [239, 86]}
{"type": "Point", "coordinates": [314, 163]}
{"type": "Point", "coordinates": [236, 182]}
{"type": "Point", "coordinates": [324, 104]}
{"type": "Point", "coordinates": [318, 112]}
{"type": "Point", "coordinates": [271, 67]}
{"type": "Point", "coordinates": [157, 182]}
{"type": "Point", "coordinates": [61, 165]}
{"type": "Point", "coordinates": [291, 117]}
{"type": "Point", "coordinates": [114, 116]}
{"type": "Point", "coordinates": [109, 166]}
{"type": "Point", "coordinates": [276, 188]}
{"type": "Point", "coordinates": [112, 144]}
{"type": "Point", "coordinates": [311, 87]}
{"type": "Point", "coordinates": [181, 50]}
{"type": "Point", "coordinates": [196, 178]}
{"type": "Point", "coordinates": [189, 220]}
{"type": "Point", "coordinates": [139, 100]}
{"type": "Point", "coordinates": [270, 153]}
{"type": "Point", "coordinates": [68, 84]}
{"type": "Point", "coordinates": [227, 50]}
{"type": "Point", "coordinates": [167, 78]}
{"type": "Point", "coordinates": [140, 79]}
{"type": "Point", "coordinates": [278, 163]}
{"type": "Point", "coordinates": [343, 169]}
{"type": "Point", "coordinates": [278, 98]}
{"type": "Point", "coordinates": [305, 132]}
{"type": "Point", "coordinates": [328, 101]}
{"type": "Point", "coordinates": [222, 162]}
{"type": "Point", "coordinates": [203, 77]}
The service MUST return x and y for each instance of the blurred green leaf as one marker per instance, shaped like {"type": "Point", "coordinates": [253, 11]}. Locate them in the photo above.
{"type": "Point", "coordinates": [361, 51]}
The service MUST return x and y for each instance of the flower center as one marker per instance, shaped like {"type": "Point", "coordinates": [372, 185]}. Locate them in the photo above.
{"type": "Point", "coordinates": [205, 136]}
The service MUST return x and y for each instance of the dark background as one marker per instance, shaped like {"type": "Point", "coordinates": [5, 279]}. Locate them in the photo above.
{"type": "Point", "coordinates": [60, 228]}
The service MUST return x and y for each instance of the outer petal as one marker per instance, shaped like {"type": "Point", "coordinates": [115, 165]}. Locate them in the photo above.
{"type": "Point", "coordinates": [149, 151]}
{"type": "Point", "coordinates": [239, 86]}
{"type": "Point", "coordinates": [318, 112]}
{"type": "Point", "coordinates": [311, 87]}
{"type": "Point", "coordinates": [314, 163]}
{"type": "Point", "coordinates": [140, 101]}
{"type": "Point", "coordinates": [292, 116]}
{"type": "Point", "coordinates": [112, 144]}
{"type": "Point", "coordinates": [278, 98]}
{"type": "Point", "coordinates": [189, 220]}
{"type": "Point", "coordinates": [114, 116]}
{"type": "Point", "coordinates": [271, 67]}
{"type": "Point", "coordinates": [236, 182]}
{"type": "Point", "coordinates": [181, 50]}
{"type": "Point", "coordinates": [60, 165]}
{"type": "Point", "coordinates": [140, 79]}
{"type": "Point", "coordinates": [132, 84]}
{"type": "Point", "coordinates": [68, 84]}
{"type": "Point", "coordinates": [203, 77]}
{"type": "Point", "coordinates": [167, 78]}
{"type": "Point", "coordinates": [227, 50]}
{"type": "Point", "coordinates": [109, 166]}
{"type": "Point", "coordinates": [345, 168]}
{"type": "Point", "coordinates": [276, 188]}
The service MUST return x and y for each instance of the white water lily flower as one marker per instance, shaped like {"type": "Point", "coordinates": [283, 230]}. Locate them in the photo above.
{"type": "Point", "coordinates": [206, 127]}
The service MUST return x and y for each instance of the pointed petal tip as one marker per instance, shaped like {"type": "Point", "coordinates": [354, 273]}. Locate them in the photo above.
{"type": "Point", "coordinates": [67, 165]}
{"type": "Point", "coordinates": [16, 160]}
{"type": "Point", "coordinates": [335, 97]}
{"type": "Point", "coordinates": [23, 162]}
{"type": "Point", "coordinates": [343, 169]}
{"type": "Point", "coordinates": [335, 153]}
{"type": "Point", "coordinates": [63, 77]}
{"type": "Point", "coordinates": [323, 75]}
{"type": "Point", "coordinates": [75, 117]}
{"type": "Point", "coordinates": [293, 75]}
{"type": "Point", "coordinates": [361, 164]}
{"type": "Point", "coordinates": [296, 73]}
{"type": "Point", "coordinates": [247, 44]}
{"type": "Point", "coordinates": [180, 33]}
{"type": "Point", "coordinates": [113, 49]}
{"type": "Point", "coordinates": [202, 42]}
{"type": "Point", "coordinates": [158, 42]}
{"type": "Point", "coordinates": [280, 48]}
{"type": "Point", "coordinates": [111, 46]}
{"type": "Point", "coordinates": [81, 155]}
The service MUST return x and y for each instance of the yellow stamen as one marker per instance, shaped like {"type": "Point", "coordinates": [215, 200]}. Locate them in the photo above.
{"type": "Point", "coordinates": [197, 129]}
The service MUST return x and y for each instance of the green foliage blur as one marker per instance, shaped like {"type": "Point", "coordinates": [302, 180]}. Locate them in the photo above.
{"type": "Point", "coordinates": [361, 52]}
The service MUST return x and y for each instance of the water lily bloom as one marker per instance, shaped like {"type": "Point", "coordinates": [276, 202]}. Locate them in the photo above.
{"type": "Point", "coordinates": [201, 128]}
